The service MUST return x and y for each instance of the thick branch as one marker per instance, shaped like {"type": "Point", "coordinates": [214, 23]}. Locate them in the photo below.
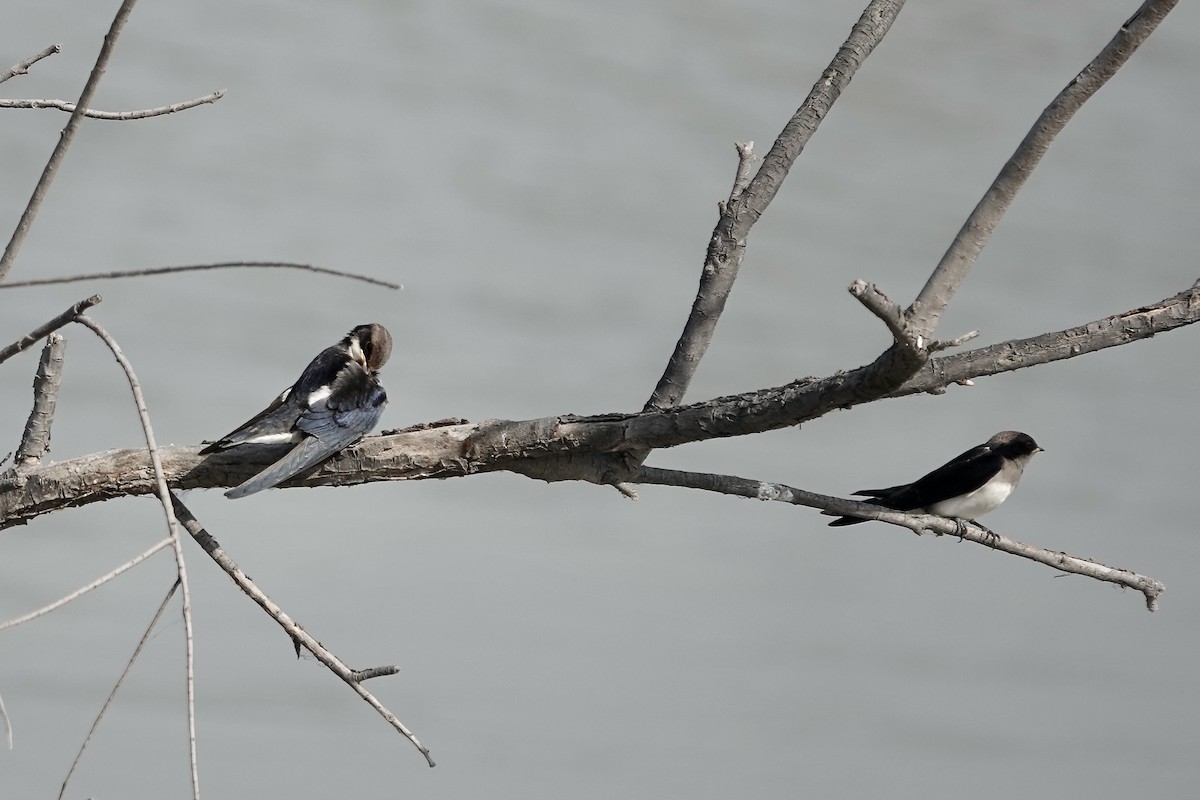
{"type": "Point", "coordinates": [1140, 323]}
{"type": "Point", "coordinates": [575, 448]}
{"type": "Point", "coordinates": [952, 270]}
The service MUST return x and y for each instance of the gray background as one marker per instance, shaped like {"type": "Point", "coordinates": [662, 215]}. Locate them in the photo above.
{"type": "Point", "coordinates": [542, 177]}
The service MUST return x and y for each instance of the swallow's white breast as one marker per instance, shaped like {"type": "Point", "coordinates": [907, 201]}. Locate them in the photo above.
{"type": "Point", "coordinates": [969, 506]}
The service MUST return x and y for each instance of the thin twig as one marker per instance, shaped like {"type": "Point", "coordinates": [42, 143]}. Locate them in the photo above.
{"type": "Point", "coordinates": [64, 139]}
{"type": "Point", "coordinates": [164, 496]}
{"type": "Point", "coordinates": [22, 67]}
{"type": "Point", "coordinates": [35, 441]}
{"type": "Point", "coordinates": [116, 687]}
{"type": "Point", "coordinates": [122, 116]}
{"type": "Point", "coordinates": [952, 270]}
{"type": "Point", "coordinates": [137, 273]}
{"type": "Point", "coordinates": [764, 490]}
{"type": "Point", "coordinates": [352, 677]}
{"type": "Point", "coordinates": [8, 731]}
{"type": "Point", "coordinates": [950, 344]}
{"type": "Point", "coordinates": [727, 246]}
{"type": "Point", "coordinates": [37, 333]}
{"type": "Point", "coordinates": [103, 579]}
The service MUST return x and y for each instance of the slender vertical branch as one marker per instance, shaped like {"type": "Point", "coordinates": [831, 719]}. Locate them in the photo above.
{"type": "Point", "coordinates": [64, 139]}
{"type": "Point", "coordinates": [728, 243]}
{"type": "Point", "coordinates": [8, 731]}
{"type": "Point", "coordinates": [164, 496]}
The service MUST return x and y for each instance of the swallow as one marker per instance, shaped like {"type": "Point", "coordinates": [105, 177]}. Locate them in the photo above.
{"type": "Point", "coordinates": [964, 488]}
{"type": "Point", "coordinates": [336, 401]}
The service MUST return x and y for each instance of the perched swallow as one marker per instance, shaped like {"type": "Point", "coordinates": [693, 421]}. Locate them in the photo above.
{"type": "Point", "coordinates": [336, 401]}
{"type": "Point", "coordinates": [969, 486]}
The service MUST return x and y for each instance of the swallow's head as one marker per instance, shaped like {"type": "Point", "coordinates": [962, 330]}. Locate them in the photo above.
{"type": "Point", "coordinates": [1014, 444]}
{"type": "Point", "coordinates": [369, 345]}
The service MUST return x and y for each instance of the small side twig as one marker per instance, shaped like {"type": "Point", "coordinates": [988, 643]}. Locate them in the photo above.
{"type": "Point", "coordinates": [122, 116]}
{"type": "Point", "coordinates": [22, 67]}
{"type": "Point", "coordinates": [160, 484]}
{"type": "Point", "coordinates": [765, 490]}
{"type": "Point", "coordinates": [957, 341]}
{"type": "Point", "coordinates": [138, 273]}
{"type": "Point", "coordinates": [352, 677]}
{"type": "Point", "coordinates": [891, 314]}
{"type": "Point", "coordinates": [64, 139]}
{"type": "Point", "coordinates": [117, 686]}
{"type": "Point", "coordinates": [35, 441]}
{"type": "Point", "coordinates": [746, 160]}
{"type": "Point", "coordinates": [103, 579]}
{"type": "Point", "coordinates": [37, 333]}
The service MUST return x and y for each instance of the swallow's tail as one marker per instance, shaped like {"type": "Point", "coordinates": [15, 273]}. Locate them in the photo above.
{"type": "Point", "coordinates": [310, 452]}
{"type": "Point", "coordinates": [873, 495]}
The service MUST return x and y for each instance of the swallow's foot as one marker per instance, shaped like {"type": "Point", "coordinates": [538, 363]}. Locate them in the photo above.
{"type": "Point", "coordinates": [993, 538]}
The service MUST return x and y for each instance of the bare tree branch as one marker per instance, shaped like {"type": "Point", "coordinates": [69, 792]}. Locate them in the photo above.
{"type": "Point", "coordinates": [160, 485]}
{"type": "Point", "coordinates": [567, 447]}
{"type": "Point", "coordinates": [81, 591]}
{"type": "Point", "coordinates": [8, 731]}
{"type": "Point", "coordinates": [64, 139]}
{"type": "Point", "coordinates": [117, 686]}
{"type": "Point", "coordinates": [352, 677]}
{"type": "Point", "coordinates": [22, 67]}
{"type": "Point", "coordinates": [35, 441]}
{"type": "Point", "coordinates": [952, 270]}
{"type": "Point", "coordinates": [137, 273]}
{"type": "Point", "coordinates": [64, 105]}
{"type": "Point", "coordinates": [727, 246]}
{"type": "Point", "coordinates": [37, 333]}
{"type": "Point", "coordinates": [1119, 329]}
{"type": "Point", "coordinates": [888, 312]}
{"type": "Point", "coordinates": [763, 490]}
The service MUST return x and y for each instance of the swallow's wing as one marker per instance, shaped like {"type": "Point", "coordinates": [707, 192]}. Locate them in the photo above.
{"type": "Point", "coordinates": [961, 475]}
{"type": "Point", "coordinates": [278, 417]}
{"type": "Point", "coordinates": [349, 413]}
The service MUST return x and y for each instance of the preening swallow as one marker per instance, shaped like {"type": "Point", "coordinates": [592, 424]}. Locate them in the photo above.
{"type": "Point", "coordinates": [336, 401]}
{"type": "Point", "coordinates": [971, 485]}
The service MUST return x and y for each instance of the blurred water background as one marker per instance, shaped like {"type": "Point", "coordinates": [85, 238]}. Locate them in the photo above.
{"type": "Point", "coordinates": [542, 178]}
